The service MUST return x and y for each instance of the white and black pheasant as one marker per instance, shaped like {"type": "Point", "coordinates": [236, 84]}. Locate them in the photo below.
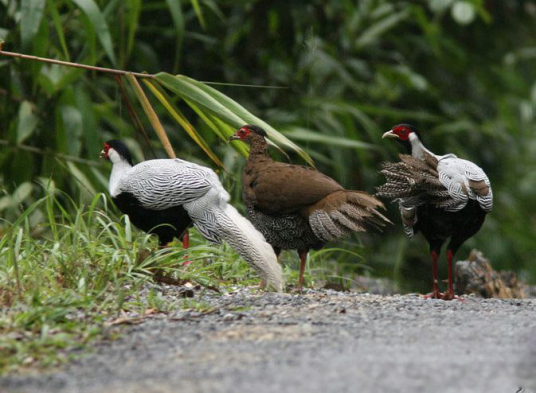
{"type": "Point", "coordinates": [441, 196]}
{"type": "Point", "coordinates": [299, 208]}
{"type": "Point", "coordinates": [173, 194]}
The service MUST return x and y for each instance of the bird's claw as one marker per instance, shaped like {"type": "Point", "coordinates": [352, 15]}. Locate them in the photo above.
{"type": "Point", "coordinates": [434, 295]}
{"type": "Point", "coordinates": [450, 296]}
{"type": "Point", "coordinates": [443, 296]}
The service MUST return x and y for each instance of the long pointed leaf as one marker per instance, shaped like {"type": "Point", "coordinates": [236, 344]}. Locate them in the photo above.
{"type": "Point", "coordinates": [31, 13]}
{"type": "Point", "coordinates": [175, 9]}
{"type": "Point", "coordinates": [133, 17]}
{"type": "Point", "coordinates": [304, 134]}
{"type": "Point", "coordinates": [276, 138]}
{"type": "Point", "coordinates": [216, 125]}
{"type": "Point", "coordinates": [96, 17]}
{"type": "Point", "coordinates": [183, 121]}
{"type": "Point", "coordinates": [199, 13]}
{"type": "Point", "coordinates": [59, 28]}
{"type": "Point", "coordinates": [185, 89]}
{"type": "Point", "coordinates": [151, 114]}
{"type": "Point", "coordinates": [223, 107]}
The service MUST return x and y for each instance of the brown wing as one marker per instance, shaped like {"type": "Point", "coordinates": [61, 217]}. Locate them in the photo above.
{"type": "Point", "coordinates": [279, 188]}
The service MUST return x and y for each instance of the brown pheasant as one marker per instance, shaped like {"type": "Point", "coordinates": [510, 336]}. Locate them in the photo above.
{"type": "Point", "coordinates": [296, 207]}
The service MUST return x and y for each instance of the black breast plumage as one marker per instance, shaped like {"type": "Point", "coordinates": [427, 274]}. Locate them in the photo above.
{"type": "Point", "coordinates": [166, 224]}
{"type": "Point", "coordinates": [437, 225]}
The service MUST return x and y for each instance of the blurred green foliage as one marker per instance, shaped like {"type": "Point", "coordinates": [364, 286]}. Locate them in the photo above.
{"type": "Point", "coordinates": [463, 71]}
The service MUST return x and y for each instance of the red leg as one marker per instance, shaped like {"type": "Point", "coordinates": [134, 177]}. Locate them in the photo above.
{"type": "Point", "coordinates": [303, 258]}
{"type": "Point", "coordinates": [185, 245]}
{"type": "Point", "coordinates": [186, 239]}
{"type": "Point", "coordinates": [450, 291]}
{"type": "Point", "coordinates": [435, 289]}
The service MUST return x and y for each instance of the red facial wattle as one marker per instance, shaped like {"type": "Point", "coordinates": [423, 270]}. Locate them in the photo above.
{"type": "Point", "coordinates": [402, 132]}
{"type": "Point", "coordinates": [105, 150]}
{"type": "Point", "coordinates": [243, 132]}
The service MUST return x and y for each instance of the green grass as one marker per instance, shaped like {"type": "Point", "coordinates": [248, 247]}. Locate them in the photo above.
{"type": "Point", "coordinates": [62, 278]}
{"type": "Point", "coordinates": [68, 269]}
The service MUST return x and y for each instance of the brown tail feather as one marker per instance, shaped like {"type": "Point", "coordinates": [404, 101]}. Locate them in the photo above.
{"type": "Point", "coordinates": [343, 212]}
{"type": "Point", "coordinates": [414, 178]}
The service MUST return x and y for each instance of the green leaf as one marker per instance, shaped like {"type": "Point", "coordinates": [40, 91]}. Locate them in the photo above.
{"type": "Point", "coordinates": [184, 87]}
{"type": "Point", "coordinates": [27, 122]}
{"type": "Point", "coordinates": [399, 113]}
{"type": "Point", "coordinates": [183, 121]}
{"type": "Point", "coordinates": [90, 127]}
{"type": "Point", "coordinates": [223, 107]}
{"type": "Point", "coordinates": [222, 130]}
{"type": "Point", "coordinates": [73, 125]}
{"type": "Point", "coordinates": [133, 16]}
{"type": "Point", "coordinates": [59, 28]}
{"type": "Point", "coordinates": [151, 114]}
{"type": "Point", "coordinates": [307, 135]}
{"type": "Point", "coordinates": [31, 13]}
{"type": "Point", "coordinates": [177, 16]}
{"type": "Point", "coordinates": [82, 179]}
{"type": "Point", "coordinates": [199, 13]}
{"type": "Point", "coordinates": [92, 11]}
{"type": "Point", "coordinates": [378, 29]}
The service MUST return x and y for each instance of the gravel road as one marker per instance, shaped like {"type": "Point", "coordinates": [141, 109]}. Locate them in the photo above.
{"type": "Point", "coordinates": [321, 341]}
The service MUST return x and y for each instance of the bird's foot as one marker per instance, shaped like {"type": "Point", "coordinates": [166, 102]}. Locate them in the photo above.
{"type": "Point", "coordinates": [451, 296]}
{"type": "Point", "coordinates": [296, 290]}
{"type": "Point", "coordinates": [434, 295]}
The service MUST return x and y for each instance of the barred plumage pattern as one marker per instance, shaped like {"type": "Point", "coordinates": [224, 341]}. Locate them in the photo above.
{"type": "Point", "coordinates": [161, 184]}
{"type": "Point", "coordinates": [284, 232]}
{"type": "Point", "coordinates": [414, 182]}
{"type": "Point", "coordinates": [446, 182]}
{"type": "Point", "coordinates": [331, 221]}
{"type": "Point", "coordinates": [464, 180]}
{"type": "Point", "coordinates": [335, 219]}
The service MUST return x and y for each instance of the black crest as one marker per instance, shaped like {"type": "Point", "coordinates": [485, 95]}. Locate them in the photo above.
{"type": "Point", "coordinates": [122, 149]}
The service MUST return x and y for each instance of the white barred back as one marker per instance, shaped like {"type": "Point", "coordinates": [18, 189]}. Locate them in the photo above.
{"type": "Point", "coordinates": [458, 175]}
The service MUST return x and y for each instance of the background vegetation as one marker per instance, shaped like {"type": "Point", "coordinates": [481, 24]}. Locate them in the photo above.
{"type": "Point", "coordinates": [462, 71]}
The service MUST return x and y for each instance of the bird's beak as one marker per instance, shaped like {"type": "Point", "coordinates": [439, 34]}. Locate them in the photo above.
{"type": "Point", "coordinates": [234, 138]}
{"type": "Point", "coordinates": [102, 154]}
{"type": "Point", "coordinates": [390, 134]}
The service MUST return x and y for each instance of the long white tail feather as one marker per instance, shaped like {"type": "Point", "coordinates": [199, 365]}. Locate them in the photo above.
{"type": "Point", "coordinates": [219, 221]}
{"type": "Point", "coordinates": [250, 244]}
